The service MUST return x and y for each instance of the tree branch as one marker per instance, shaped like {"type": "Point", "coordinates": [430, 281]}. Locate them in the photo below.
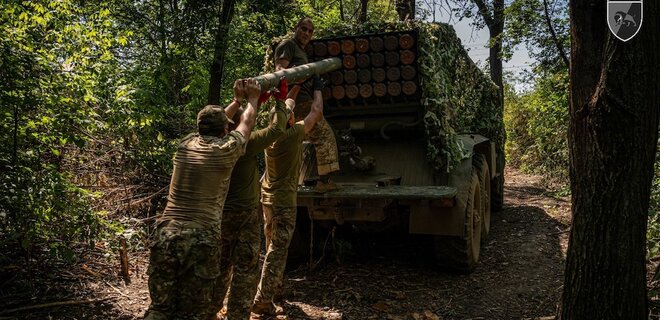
{"type": "Point", "coordinates": [485, 12]}
{"type": "Point", "coordinates": [558, 43]}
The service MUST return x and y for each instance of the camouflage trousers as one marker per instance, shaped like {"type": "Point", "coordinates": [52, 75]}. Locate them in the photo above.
{"type": "Point", "coordinates": [323, 139]}
{"type": "Point", "coordinates": [279, 223]}
{"type": "Point", "coordinates": [241, 241]}
{"type": "Point", "coordinates": [183, 268]}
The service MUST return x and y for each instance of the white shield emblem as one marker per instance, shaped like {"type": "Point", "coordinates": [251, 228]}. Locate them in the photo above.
{"type": "Point", "coordinates": [624, 18]}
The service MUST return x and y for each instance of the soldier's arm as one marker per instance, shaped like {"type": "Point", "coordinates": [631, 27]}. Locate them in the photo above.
{"type": "Point", "coordinates": [239, 96]}
{"type": "Point", "coordinates": [317, 98]}
{"type": "Point", "coordinates": [281, 64]}
{"type": "Point", "coordinates": [261, 139]}
{"type": "Point", "coordinates": [283, 55]}
{"type": "Point", "coordinates": [293, 93]}
{"type": "Point", "coordinates": [249, 116]}
{"type": "Point", "coordinates": [316, 112]}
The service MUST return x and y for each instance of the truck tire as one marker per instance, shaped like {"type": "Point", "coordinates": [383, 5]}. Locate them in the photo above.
{"type": "Point", "coordinates": [461, 254]}
{"type": "Point", "coordinates": [481, 167]}
{"type": "Point", "coordinates": [497, 185]}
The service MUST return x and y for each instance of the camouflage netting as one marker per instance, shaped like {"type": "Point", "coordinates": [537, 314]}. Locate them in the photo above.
{"type": "Point", "coordinates": [458, 96]}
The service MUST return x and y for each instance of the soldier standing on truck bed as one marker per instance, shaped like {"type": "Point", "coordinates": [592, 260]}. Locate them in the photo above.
{"type": "Point", "coordinates": [184, 262]}
{"type": "Point", "coordinates": [278, 196]}
{"type": "Point", "coordinates": [241, 223]}
{"type": "Point", "coordinates": [290, 53]}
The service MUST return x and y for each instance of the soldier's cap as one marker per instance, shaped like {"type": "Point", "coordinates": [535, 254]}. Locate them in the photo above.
{"type": "Point", "coordinates": [212, 117]}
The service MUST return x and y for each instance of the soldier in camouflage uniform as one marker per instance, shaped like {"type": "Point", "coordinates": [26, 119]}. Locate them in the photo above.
{"type": "Point", "coordinates": [290, 53]}
{"type": "Point", "coordinates": [241, 222]}
{"type": "Point", "coordinates": [278, 197]}
{"type": "Point", "coordinates": [184, 263]}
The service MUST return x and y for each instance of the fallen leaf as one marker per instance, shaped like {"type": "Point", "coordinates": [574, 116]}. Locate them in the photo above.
{"type": "Point", "coordinates": [381, 306]}
{"type": "Point", "coordinates": [399, 295]}
{"type": "Point", "coordinates": [428, 315]}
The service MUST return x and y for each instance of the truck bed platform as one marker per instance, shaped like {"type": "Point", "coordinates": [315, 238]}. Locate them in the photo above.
{"type": "Point", "coordinates": [384, 192]}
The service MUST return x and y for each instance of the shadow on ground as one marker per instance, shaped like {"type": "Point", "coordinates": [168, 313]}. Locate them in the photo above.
{"type": "Point", "coordinates": [374, 276]}
{"type": "Point", "coordinates": [394, 276]}
{"type": "Point", "coordinates": [48, 289]}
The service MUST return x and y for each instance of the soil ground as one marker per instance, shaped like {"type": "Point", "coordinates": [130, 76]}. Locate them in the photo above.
{"type": "Point", "coordinates": [373, 276]}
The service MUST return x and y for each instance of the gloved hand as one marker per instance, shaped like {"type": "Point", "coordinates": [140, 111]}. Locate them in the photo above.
{"type": "Point", "coordinates": [282, 90]}
{"type": "Point", "coordinates": [318, 83]}
{"type": "Point", "coordinates": [264, 97]}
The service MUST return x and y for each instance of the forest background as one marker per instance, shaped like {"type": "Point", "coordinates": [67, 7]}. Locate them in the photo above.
{"type": "Point", "coordinates": [95, 95]}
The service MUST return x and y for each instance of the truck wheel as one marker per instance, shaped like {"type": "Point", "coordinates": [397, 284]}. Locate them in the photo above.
{"type": "Point", "coordinates": [461, 254]}
{"type": "Point", "coordinates": [481, 167]}
{"type": "Point", "coordinates": [497, 185]}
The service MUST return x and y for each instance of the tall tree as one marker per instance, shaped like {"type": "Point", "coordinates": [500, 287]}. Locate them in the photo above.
{"type": "Point", "coordinates": [493, 16]}
{"type": "Point", "coordinates": [364, 4]}
{"type": "Point", "coordinates": [225, 15]}
{"type": "Point", "coordinates": [614, 109]}
{"type": "Point", "coordinates": [486, 13]}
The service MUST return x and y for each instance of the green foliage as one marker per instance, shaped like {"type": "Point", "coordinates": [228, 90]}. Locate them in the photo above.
{"type": "Point", "coordinates": [326, 14]}
{"type": "Point", "coordinates": [96, 95]}
{"type": "Point", "coordinates": [537, 127]}
{"type": "Point", "coordinates": [57, 61]}
{"type": "Point", "coordinates": [164, 81]}
{"type": "Point", "coordinates": [44, 208]}
{"type": "Point", "coordinates": [526, 23]}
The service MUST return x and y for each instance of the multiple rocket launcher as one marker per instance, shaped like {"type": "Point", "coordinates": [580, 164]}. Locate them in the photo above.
{"type": "Point", "coordinates": [376, 69]}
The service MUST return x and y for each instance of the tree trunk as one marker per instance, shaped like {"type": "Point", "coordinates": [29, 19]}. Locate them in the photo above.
{"type": "Point", "coordinates": [495, 61]}
{"type": "Point", "coordinates": [363, 11]}
{"type": "Point", "coordinates": [217, 66]}
{"type": "Point", "coordinates": [614, 108]}
{"type": "Point", "coordinates": [493, 16]}
{"type": "Point", "coordinates": [496, 30]}
{"type": "Point", "coordinates": [405, 9]}
{"type": "Point", "coordinates": [494, 19]}
{"type": "Point", "coordinates": [14, 153]}
{"type": "Point", "coordinates": [341, 10]}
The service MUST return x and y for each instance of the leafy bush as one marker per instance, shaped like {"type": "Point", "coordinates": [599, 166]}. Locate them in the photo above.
{"type": "Point", "coordinates": [56, 65]}
{"type": "Point", "coordinates": [537, 127]}
{"type": "Point", "coordinates": [43, 208]}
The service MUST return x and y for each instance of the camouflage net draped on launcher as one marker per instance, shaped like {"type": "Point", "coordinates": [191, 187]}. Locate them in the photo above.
{"type": "Point", "coordinates": [457, 96]}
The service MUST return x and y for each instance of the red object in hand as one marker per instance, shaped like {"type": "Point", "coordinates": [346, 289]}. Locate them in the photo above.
{"type": "Point", "coordinates": [282, 90]}
{"type": "Point", "coordinates": [264, 97]}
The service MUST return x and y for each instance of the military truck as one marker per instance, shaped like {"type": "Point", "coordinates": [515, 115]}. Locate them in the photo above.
{"type": "Point", "coordinates": [420, 135]}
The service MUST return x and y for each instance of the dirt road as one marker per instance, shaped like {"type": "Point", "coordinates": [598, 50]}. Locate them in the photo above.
{"type": "Point", "coordinates": [376, 276]}
{"type": "Point", "coordinates": [392, 277]}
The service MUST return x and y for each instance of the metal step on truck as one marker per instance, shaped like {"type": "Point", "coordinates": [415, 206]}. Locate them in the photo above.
{"type": "Point", "coordinates": [408, 106]}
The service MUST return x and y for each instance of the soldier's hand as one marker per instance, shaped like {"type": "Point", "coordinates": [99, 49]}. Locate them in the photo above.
{"type": "Point", "coordinates": [253, 89]}
{"type": "Point", "coordinates": [318, 83]}
{"type": "Point", "coordinates": [264, 97]}
{"type": "Point", "coordinates": [239, 90]}
{"type": "Point", "coordinates": [282, 90]}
